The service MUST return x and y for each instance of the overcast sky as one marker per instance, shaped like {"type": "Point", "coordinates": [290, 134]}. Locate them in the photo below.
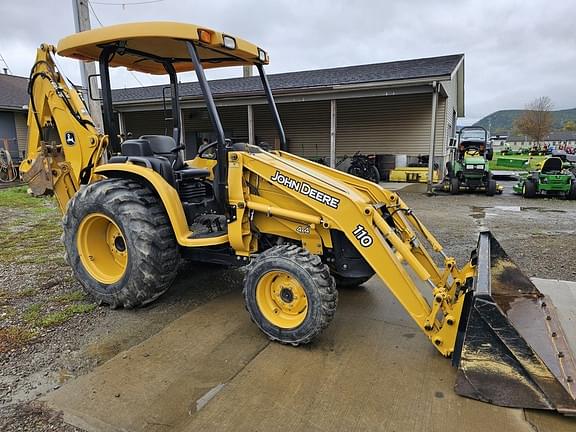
{"type": "Point", "coordinates": [515, 50]}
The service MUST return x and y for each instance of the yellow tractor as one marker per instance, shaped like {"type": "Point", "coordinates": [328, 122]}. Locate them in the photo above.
{"type": "Point", "coordinates": [133, 208]}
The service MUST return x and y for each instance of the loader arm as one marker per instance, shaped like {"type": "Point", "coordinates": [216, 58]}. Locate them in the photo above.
{"type": "Point", "coordinates": [382, 228]}
{"type": "Point", "coordinates": [63, 143]}
{"type": "Point", "coordinates": [508, 345]}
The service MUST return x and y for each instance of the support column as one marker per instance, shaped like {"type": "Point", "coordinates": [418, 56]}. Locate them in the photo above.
{"type": "Point", "coordinates": [121, 124]}
{"type": "Point", "coordinates": [332, 133]}
{"type": "Point", "coordinates": [251, 131]}
{"type": "Point", "coordinates": [432, 149]}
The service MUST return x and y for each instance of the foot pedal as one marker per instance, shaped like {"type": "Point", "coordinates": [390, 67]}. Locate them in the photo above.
{"type": "Point", "coordinates": [205, 226]}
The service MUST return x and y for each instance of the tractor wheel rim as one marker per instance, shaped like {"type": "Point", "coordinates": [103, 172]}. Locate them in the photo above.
{"type": "Point", "coordinates": [281, 299]}
{"type": "Point", "coordinates": [102, 248]}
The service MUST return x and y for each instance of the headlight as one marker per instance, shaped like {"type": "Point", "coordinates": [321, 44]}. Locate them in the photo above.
{"type": "Point", "coordinates": [480, 167]}
{"type": "Point", "coordinates": [229, 42]}
{"type": "Point", "coordinates": [470, 167]}
{"type": "Point", "coordinates": [261, 55]}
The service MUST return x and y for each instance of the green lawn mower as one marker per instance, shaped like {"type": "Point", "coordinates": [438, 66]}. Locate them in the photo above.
{"type": "Point", "coordinates": [553, 178]}
{"type": "Point", "coordinates": [468, 167]}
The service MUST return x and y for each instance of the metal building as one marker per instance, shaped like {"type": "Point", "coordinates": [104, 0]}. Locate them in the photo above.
{"type": "Point", "coordinates": [383, 108]}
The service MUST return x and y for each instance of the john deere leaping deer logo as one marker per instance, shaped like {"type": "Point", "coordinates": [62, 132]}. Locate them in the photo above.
{"type": "Point", "coordinates": [70, 138]}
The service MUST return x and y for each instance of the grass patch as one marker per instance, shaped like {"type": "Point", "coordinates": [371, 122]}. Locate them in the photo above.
{"type": "Point", "coordinates": [28, 292]}
{"type": "Point", "coordinates": [32, 313]}
{"type": "Point", "coordinates": [74, 296]}
{"type": "Point", "coordinates": [14, 337]}
{"type": "Point", "coordinates": [57, 318]}
{"type": "Point", "coordinates": [7, 312]}
{"type": "Point", "coordinates": [18, 197]}
{"type": "Point", "coordinates": [31, 228]}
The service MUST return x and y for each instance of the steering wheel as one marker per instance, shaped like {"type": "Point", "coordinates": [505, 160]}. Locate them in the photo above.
{"type": "Point", "coordinates": [205, 148]}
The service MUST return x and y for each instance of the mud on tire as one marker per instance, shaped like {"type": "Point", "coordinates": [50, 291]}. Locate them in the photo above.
{"type": "Point", "coordinates": [314, 277]}
{"type": "Point", "coordinates": [152, 251]}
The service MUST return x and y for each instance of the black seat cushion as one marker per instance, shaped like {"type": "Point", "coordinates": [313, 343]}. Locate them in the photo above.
{"type": "Point", "coordinates": [160, 144]}
{"type": "Point", "coordinates": [136, 147]}
{"type": "Point", "coordinates": [552, 164]}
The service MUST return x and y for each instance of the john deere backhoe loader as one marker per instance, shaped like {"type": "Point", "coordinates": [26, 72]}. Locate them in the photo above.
{"type": "Point", "coordinates": [132, 209]}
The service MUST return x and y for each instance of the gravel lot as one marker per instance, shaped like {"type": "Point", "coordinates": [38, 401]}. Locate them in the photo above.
{"type": "Point", "coordinates": [50, 332]}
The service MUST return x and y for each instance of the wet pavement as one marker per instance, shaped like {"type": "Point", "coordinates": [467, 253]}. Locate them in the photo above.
{"type": "Point", "coordinates": [212, 370]}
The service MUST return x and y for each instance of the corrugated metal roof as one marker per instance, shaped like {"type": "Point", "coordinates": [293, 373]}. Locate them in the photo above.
{"type": "Point", "coordinates": [319, 78]}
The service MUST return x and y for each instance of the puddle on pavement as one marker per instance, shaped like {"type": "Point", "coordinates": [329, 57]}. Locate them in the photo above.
{"type": "Point", "coordinates": [481, 212]}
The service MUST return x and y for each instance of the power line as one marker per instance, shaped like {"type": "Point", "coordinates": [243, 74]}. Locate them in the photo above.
{"type": "Point", "coordinates": [124, 4]}
{"type": "Point", "coordinates": [6, 64]}
{"type": "Point", "coordinates": [94, 13]}
{"type": "Point", "coordinates": [102, 25]}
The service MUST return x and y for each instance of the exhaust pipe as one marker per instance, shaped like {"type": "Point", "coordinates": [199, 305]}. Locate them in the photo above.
{"type": "Point", "coordinates": [511, 350]}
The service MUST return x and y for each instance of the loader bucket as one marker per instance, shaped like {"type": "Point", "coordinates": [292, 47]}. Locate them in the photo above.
{"type": "Point", "coordinates": [511, 349]}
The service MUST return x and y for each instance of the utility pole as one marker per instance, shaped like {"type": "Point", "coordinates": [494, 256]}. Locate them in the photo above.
{"type": "Point", "coordinates": [82, 23]}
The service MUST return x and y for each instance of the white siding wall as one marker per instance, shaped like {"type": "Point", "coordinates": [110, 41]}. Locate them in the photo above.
{"type": "Point", "coordinates": [388, 124]}
{"type": "Point", "coordinates": [380, 125]}
{"type": "Point", "coordinates": [306, 124]}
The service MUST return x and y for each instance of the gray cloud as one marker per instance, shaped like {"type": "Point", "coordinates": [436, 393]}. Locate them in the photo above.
{"type": "Point", "coordinates": [515, 50]}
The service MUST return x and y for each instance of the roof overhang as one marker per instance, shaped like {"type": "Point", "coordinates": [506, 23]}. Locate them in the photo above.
{"type": "Point", "coordinates": [458, 75]}
{"type": "Point", "coordinates": [343, 91]}
{"type": "Point", "coordinates": [23, 108]}
{"type": "Point", "coordinates": [160, 41]}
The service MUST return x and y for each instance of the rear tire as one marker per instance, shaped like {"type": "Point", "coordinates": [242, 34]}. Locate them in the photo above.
{"type": "Point", "coordinates": [572, 192]}
{"type": "Point", "coordinates": [529, 189]}
{"type": "Point", "coordinates": [454, 186]}
{"type": "Point", "coordinates": [119, 243]}
{"type": "Point", "coordinates": [491, 187]}
{"type": "Point", "coordinates": [373, 174]}
{"type": "Point", "coordinates": [290, 294]}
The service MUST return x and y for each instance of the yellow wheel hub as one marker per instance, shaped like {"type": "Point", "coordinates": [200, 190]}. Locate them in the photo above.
{"type": "Point", "coordinates": [102, 248]}
{"type": "Point", "coordinates": [281, 299]}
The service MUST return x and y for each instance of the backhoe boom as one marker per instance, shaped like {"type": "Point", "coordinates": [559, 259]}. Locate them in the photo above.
{"type": "Point", "coordinates": [63, 144]}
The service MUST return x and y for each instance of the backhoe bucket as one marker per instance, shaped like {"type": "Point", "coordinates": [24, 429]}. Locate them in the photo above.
{"type": "Point", "coordinates": [511, 349]}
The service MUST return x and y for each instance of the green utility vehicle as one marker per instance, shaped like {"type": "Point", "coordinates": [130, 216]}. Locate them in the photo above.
{"type": "Point", "coordinates": [468, 167]}
{"type": "Point", "coordinates": [553, 178]}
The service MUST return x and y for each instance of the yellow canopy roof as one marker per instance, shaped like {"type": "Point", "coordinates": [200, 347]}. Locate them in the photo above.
{"type": "Point", "coordinates": [162, 40]}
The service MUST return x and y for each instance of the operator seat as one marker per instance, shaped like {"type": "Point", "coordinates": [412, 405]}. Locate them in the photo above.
{"type": "Point", "coordinates": [551, 165]}
{"type": "Point", "coordinates": [162, 145]}
{"type": "Point", "coordinates": [157, 152]}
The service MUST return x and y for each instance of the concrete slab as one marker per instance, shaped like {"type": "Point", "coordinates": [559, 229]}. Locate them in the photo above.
{"type": "Point", "coordinates": [563, 295]}
{"type": "Point", "coordinates": [153, 386]}
{"type": "Point", "coordinates": [212, 370]}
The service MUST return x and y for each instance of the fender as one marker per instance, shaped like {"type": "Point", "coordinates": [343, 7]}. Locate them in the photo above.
{"type": "Point", "coordinates": [169, 198]}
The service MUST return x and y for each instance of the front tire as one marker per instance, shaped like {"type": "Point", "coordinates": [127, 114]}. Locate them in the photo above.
{"type": "Point", "coordinates": [491, 187]}
{"type": "Point", "coordinates": [290, 294]}
{"type": "Point", "coordinates": [529, 189]}
{"type": "Point", "coordinates": [119, 243]}
{"type": "Point", "coordinates": [454, 186]}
